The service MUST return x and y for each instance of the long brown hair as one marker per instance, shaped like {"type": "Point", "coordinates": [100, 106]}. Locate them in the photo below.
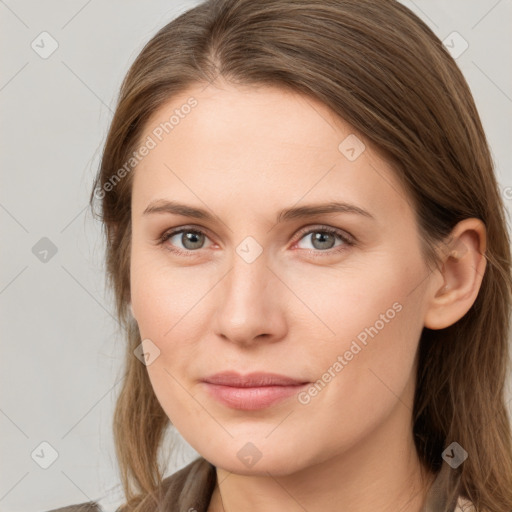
{"type": "Point", "coordinates": [382, 70]}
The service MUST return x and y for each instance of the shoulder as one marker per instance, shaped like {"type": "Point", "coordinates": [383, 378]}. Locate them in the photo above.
{"type": "Point", "coordinates": [191, 487]}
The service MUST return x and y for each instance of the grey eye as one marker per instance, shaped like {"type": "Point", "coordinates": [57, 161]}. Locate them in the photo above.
{"type": "Point", "coordinates": [321, 239]}
{"type": "Point", "coordinates": [189, 239]}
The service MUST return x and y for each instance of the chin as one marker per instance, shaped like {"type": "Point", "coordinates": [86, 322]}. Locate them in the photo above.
{"type": "Point", "coordinates": [250, 460]}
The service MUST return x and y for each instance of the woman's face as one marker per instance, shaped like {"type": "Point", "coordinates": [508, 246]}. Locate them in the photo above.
{"type": "Point", "coordinates": [270, 278]}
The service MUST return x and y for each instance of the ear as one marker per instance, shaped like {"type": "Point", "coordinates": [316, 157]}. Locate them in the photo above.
{"type": "Point", "coordinates": [462, 270]}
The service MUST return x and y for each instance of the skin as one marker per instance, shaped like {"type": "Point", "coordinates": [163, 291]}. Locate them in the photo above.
{"type": "Point", "coordinates": [244, 154]}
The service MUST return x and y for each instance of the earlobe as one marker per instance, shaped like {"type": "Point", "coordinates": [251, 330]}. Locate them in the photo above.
{"type": "Point", "coordinates": [462, 269]}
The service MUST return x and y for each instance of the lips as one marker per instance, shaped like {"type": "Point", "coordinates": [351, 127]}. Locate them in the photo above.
{"type": "Point", "coordinates": [253, 391]}
{"type": "Point", "coordinates": [255, 379]}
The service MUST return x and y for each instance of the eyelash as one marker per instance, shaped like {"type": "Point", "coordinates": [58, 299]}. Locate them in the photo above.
{"type": "Point", "coordinates": [348, 240]}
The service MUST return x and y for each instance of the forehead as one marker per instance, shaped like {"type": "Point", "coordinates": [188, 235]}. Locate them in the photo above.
{"type": "Point", "coordinates": [260, 115]}
{"type": "Point", "coordinates": [263, 143]}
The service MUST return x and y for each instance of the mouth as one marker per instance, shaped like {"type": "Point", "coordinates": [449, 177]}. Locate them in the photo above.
{"type": "Point", "coordinates": [253, 391]}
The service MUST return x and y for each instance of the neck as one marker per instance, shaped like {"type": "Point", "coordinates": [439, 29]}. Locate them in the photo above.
{"type": "Point", "coordinates": [380, 472]}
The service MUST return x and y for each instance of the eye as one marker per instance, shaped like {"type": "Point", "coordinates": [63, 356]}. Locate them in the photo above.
{"type": "Point", "coordinates": [323, 238]}
{"type": "Point", "coordinates": [190, 239]}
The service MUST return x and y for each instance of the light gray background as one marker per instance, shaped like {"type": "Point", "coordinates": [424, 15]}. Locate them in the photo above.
{"type": "Point", "coordinates": [61, 354]}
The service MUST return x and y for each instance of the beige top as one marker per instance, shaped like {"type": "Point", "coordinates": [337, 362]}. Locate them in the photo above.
{"type": "Point", "coordinates": [191, 488]}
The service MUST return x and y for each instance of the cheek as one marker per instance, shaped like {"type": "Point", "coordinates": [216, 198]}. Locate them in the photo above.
{"type": "Point", "coordinates": [166, 305]}
{"type": "Point", "coordinates": [373, 323]}
{"type": "Point", "coordinates": [170, 307]}
{"type": "Point", "coordinates": [362, 376]}
{"type": "Point", "coordinates": [360, 300]}
{"type": "Point", "coordinates": [163, 296]}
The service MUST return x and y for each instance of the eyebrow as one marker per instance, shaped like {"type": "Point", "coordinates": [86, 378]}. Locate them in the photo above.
{"type": "Point", "coordinates": [300, 212]}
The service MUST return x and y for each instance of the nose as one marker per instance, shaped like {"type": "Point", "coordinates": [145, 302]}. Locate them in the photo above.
{"type": "Point", "coordinates": [251, 304]}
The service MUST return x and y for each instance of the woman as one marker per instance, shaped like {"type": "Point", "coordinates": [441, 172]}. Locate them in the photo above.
{"type": "Point", "coordinates": [309, 254]}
